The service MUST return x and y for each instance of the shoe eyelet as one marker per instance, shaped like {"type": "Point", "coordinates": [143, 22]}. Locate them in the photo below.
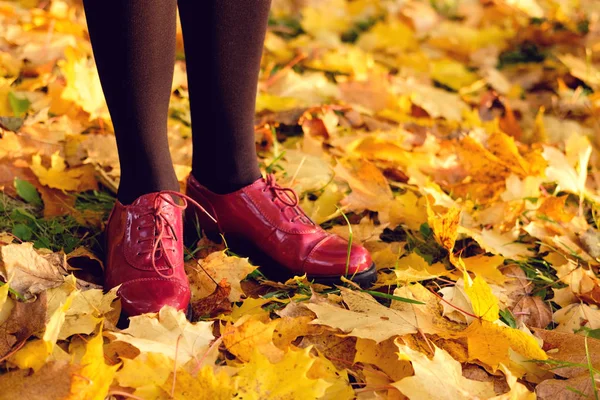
{"type": "Point", "coordinates": [139, 254]}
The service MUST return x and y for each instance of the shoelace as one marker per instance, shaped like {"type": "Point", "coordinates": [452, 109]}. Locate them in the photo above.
{"type": "Point", "coordinates": [287, 196]}
{"type": "Point", "coordinates": [162, 224]}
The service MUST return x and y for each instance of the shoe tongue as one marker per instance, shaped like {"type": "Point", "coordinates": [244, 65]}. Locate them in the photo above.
{"type": "Point", "coordinates": [146, 200]}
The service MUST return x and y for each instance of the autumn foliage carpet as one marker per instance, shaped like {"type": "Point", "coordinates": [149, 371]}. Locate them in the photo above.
{"type": "Point", "coordinates": [456, 140]}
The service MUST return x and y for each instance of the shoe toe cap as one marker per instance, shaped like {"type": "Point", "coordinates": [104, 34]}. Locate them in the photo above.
{"type": "Point", "coordinates": [150, 295]}
{"type": "Point", "coordinates": [330, 257]}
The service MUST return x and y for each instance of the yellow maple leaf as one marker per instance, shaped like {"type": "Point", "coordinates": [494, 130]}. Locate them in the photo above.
{"type": "Point", "coordinates": [438, 378]}
{"type": "Point", "coordinates": [408, 209]}
{"type": "Point", "coordinates": [370, 188]}
{"type": "Point", "coordinates": [207, 385]}
{"type": "Point", "coordinates": [260, 379]}
{"type": "Point", "coordinates": [414, 268]}
{"type": "Point", "coordinates": [486, 267]}
{"type": "Point", "coordinates": [384, 356]}
{"type": "Point", "coordinates": [95, 377]}
{"type": "Point", "coordinates": [83, 84]}
{"type": "Point", "coordinates": [444, 226]}
{"type": "Point", "coordinates": [214, 268]}
{"type": "Point", "coordinates": [59, 177]}
{"type": "Point", "coordinates": [452, 73]}
{"type": "Point", "coordinates": [340, 388]}
{"type": "Point", "coordinates": [146, 374]}
{"type": "Point", "coordinates": [168, 332]}
{"type": "Point", "coordinates": [490, 343]}
{"type": "Point", "coordinates": [251, 306]}
{"type": "Point", "coordinates": [483, 301]}
{"type": "Point", "coordinates": [392, 36]}
{"type": "Point", "coordinates": [249, 334]}
{"type": "Point", "coordinates": [56, 321]}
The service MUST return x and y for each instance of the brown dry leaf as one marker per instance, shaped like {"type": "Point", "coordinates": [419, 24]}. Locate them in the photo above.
{"type": "Point", "coordinates": [569, 347]}
{"type": "Point", "coordinates": [29, 271]}
{"type": "Point", "coordinates": [532, 311]}
{"type": "Point", "coordinates": [577, 388]}
{"type": "Point", "coordinates": [216, 303]}
{"type": "Point", "coordinates": [340, 349]}
{"type": "Point", "coordinates": [51, 382]}
{"type": "Point", "coordinates": [25, 319]}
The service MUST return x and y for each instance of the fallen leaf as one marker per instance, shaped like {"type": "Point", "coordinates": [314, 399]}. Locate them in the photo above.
{"type": "Point", "coordinates": [248, 335]}
{"type": "Point", "coordinates": [30, 272]}
{"type": "Point", "coordinates": [146, 374]}
{"type": "Point", "coordinates": [216, 303]}
{"type": "Point", "coordinates": [440, 371]}
{"type": "Point", "coordinates": [287, 379]}
{"type": "Point", "coordinates": [533, 312]}
{"type": "Point", "coordinates": [577, 388]}
{"type": "Point", "coordinates": [214, 268]}
{"type": "Point", "coordinates": [59, 177]}
{"type": "Point", "coordinates": [50, 382]}
{"type": "Point", "coordinates": [169, 333]}
{"type": "Point", "coordinates": [207, 385]}
{"type": "Point", "coordinates": [570, 348]}
{"type": "Point", "coordinates": [576, 316]}
{"type": "Point", "coordinates": [383, 355]}
{"type": "Point", "coordinates": [489, 343]}
{"type": "Point", "coordinates": [95, 377]}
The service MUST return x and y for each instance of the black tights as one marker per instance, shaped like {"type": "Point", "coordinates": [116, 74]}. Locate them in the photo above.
{"type": "Point", "coordinates": [134, 48]}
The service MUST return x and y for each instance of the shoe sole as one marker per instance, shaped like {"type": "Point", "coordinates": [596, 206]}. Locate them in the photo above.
{"type": "Point", "coordinates": [276, 271]}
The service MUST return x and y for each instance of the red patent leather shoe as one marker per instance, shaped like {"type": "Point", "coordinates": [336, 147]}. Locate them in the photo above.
{"type": "Point", "coordinates": [144, 253]}
{"type": "Point", "coordinates": [263, 221]}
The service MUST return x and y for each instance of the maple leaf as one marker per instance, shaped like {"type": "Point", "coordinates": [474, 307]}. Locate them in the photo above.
{"type": "Point", "coordinates": [52, 381]}
{"type": "Point", "coordinates": [29, 271]}
{"type": "Point", "coordinates": [59, 177]}
{"type": "Point", "coordinates": [146, 373]}
{"type": "Point", "coordinates": [440, 371]}
{"type": "Point", "coordinates": [95, 377]}
{"type": "Point", "coordinates": [248, 335]}
{"type": "Point", "coordinates": [383, 355]}
{"type": "Point", "coordinates": [490, 343]}
{"type": "Point", "coordinates": [83, 85]}
{"type": "Point", "coordinates": [216, 303]}
{"type": "Point", "coordinates": [207, 385]}
{"type": "Point", "coordinates": [169, 333]}
{"type": "Point", "coordinates": [575, 316]}
{"type": "Point", "coordinates": [367, 319]}
{"type": "Point", "coordinates": [214, 268]}
{"type": "Point", "coordinates": [286, 379]}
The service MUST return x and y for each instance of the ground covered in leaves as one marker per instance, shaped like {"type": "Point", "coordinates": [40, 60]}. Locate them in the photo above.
{"type": "Point", "coordinates": [456, 140]}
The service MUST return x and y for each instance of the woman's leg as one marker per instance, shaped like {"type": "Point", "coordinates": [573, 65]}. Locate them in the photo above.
{"type": "Point", "coordinates": [223, 43]}
{"type": "Point", "coordinates": [134, 48]}
{"type": "Point", "coordinates": [223, 46]}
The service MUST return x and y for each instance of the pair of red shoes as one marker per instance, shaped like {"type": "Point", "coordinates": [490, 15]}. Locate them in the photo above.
{"type": "Point", "coordinates": [145, 241]}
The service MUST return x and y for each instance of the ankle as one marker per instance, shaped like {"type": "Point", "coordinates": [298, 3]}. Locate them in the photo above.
{"type": "Point", "coordinates": [225, 183]}
{"type": "Point", "coordinates": [129, 191]}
